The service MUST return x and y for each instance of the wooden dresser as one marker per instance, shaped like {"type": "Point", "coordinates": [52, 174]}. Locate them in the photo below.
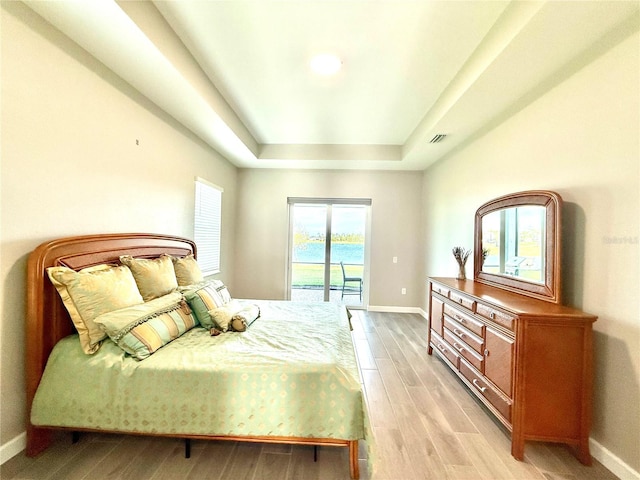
{"type": "Point", "coordinates": [529, 361]}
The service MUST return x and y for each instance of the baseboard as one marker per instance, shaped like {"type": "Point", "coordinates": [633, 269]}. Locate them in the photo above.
{"type": "Point", "coordinates": [390, 309]}
{"type": "Point", "coordinates": [613, 463]}
{"type": "Point", "coordinates": [13, 447]}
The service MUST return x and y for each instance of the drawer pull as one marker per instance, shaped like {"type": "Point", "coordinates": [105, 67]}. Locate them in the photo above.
{"type": "Point", "coordinates": [459, 318]}
{"type": "Point", "coordinates": [441, 347]}
{"type": "Point", "coordinates": [458, 333]}
{"type": "Point", "coordinates": [458, 347]}
{"type": "Point", "coordinates": [492, 315]}
{"type": "Point", "coordinates": [478, 386]}
{"type": "Point", "coordinates": [486, 352]}
{"type": "Point", "coordinates": [460, 300]}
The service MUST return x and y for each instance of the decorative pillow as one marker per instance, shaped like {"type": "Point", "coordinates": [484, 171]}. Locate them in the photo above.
{"type": "Point", "coordinates": [244, 318]}
{"type": "Point", "coordinates": [223, 291]}
{"type": "Point", "coordinates": [235, 316]}
{"type": "Point", "coordinates": [91, 292]}
{"type": "Point", "coordinates": [155, 277]}
{"type": "Point", "coordinates": [187, 270]}
{"type": "Point", "coordinates": [141, 330]}
{"type": "Point", "coordinates": [210, 295]}
{"type": "Point", "coordinates": [221, 316]}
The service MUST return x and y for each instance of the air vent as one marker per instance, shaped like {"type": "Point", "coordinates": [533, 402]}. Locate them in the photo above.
{"type": "Point", "coordinates": [438, 138]}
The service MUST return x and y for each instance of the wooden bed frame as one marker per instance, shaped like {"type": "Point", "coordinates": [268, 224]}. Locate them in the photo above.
{"type": "Point", "coordinates": [47, 320]}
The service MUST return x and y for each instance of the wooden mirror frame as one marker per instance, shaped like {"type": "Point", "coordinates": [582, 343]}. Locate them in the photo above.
{"type": "Point", "coordinates": [548, 291]}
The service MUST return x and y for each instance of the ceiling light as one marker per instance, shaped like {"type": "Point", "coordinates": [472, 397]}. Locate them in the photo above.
{"type": "Point", "coordinates": [326, 64]}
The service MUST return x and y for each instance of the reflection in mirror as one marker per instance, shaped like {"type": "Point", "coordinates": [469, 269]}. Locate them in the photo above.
{"type": "Point", "coordinates": [517, 244]}
{"type": "Point", "coordinates": [512, 239]}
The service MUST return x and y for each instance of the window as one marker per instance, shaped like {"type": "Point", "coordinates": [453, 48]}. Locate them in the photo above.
{"type": "Point", "coordinates": [206, 225]}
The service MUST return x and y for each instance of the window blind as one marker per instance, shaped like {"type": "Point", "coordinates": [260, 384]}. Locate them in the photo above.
{"type": "Point", "coordinates": [207, 225]}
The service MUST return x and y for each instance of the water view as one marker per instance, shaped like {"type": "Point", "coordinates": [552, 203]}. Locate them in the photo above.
{"type": "Point", "coordinates": [311, 229]}
{"type": "Point", "coordinates": [313, 252]}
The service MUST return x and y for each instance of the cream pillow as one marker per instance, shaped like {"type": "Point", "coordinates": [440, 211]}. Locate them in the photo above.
{"type": "Point", "coordinates": [154, 277]}
{"type": "Point", "coordinates": [223, 315]}
{"type": "Point", "coordinates": [187, 270]}
{"type": "Point", "coordinates": [91, 292]}
{"type": "Point", "coordinates": [234, 316]}
{"type": "Point", "coordinates": [244, 318]}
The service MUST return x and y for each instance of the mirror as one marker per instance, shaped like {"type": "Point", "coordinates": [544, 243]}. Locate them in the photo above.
{"type": "Point", "coordinates": [512, 239]}
{"type": "Point", "coordinates": [517, 244]}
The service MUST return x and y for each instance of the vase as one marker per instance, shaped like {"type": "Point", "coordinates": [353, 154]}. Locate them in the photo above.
{"type": "Point", "coordinates": [462, 274]}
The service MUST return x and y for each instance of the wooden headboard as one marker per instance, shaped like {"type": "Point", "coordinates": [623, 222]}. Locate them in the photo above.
{"type": "Point", "coordinates": [47, 320]}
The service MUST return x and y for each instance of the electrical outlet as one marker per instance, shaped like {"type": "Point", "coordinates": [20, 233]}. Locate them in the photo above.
{"type": "Point", "coordinates": [395, 259]}
{"type": "Point", "coordinates": [404, 291]}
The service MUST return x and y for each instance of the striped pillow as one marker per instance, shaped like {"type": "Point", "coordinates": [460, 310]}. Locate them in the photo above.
{"type": "Point", "coordinates": [141, 330]}
{"type": "Point", "coordinates": [206, 297]}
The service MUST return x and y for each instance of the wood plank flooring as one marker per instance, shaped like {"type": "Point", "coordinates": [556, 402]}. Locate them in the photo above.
{"type": "Point", "coordinates": [425, 425]}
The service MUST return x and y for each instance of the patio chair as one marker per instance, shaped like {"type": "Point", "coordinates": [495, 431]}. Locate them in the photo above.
{"type": "Point", "coordinates": [346, 290]}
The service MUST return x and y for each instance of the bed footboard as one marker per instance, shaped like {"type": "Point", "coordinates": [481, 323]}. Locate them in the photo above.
{"type": "Point", "coordinates": [39, 439]}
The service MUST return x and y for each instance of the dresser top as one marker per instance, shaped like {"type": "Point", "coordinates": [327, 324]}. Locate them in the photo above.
{"type": "Point", "coordinates": [511, 301]}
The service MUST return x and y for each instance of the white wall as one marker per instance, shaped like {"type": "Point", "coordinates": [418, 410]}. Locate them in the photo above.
{"type": "Point", "coordinates": [262, 230]}
{"type": "Point", "coordinates": [71, 166]}
{"type": "Point", "coordinates": [580, 139]}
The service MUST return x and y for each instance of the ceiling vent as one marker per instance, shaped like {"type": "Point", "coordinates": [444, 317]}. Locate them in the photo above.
{"type": "Point", "coordinates": [438, 138]}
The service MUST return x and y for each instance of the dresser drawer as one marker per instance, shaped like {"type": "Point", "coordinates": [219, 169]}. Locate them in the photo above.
{"type": "Point", "coordinates": [464, 350]}
{"type": "Point", "coordinates": [497, 316]}
{"type": "Point", "coordinates": [440, 289]}
{"type": "Point", "coordinates": [462, 300]}
{"type": "Point", "coordinates": [471, 339]}
{"type": "Point", "coordinates": [465, 320]}
{"type": "Point", "coordinates": [482, 387]}
{"type": "Point", "coordinates": [445, 349]}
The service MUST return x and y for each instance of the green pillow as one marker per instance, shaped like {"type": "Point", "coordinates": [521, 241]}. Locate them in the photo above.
{"type": "Point", "coordinates": [206, 297]}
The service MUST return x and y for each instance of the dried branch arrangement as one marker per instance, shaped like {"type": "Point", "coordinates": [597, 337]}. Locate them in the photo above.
{"type": "Point", "coordinates": [461, 255]}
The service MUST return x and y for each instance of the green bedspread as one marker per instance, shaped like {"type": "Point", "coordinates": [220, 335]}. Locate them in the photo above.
{"type": "Point", "coordinates": [293, 373]}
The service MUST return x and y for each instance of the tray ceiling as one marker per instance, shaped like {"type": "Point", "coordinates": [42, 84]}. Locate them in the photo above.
{"type": "Point", "coordinates": [237, 73]}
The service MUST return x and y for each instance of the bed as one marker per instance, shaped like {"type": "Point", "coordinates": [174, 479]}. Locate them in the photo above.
{"type": "Point", "coordinates": [291, 377]}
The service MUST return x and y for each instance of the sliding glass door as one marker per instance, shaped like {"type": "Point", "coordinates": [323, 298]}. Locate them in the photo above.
{"type": "Point", "coordinates": [328, 246]}
{"type": "Point", "coordinates": [308, 251]}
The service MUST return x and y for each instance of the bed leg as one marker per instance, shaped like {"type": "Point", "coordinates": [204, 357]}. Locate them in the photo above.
{"type": "Point", "coordinates": [75, 437]}
{"type": "Point", "coordinates": [353, 460]}
{"type": "Point", "coordinates": [315, 453]}
{"type": "Point", "coordinates": [38, 440]}
{"type": "Point", "coordinates": [187, 448]}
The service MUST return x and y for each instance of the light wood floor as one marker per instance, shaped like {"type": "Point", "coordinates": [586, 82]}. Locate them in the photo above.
{"type": "Point", "coordinates": [425, 424]}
